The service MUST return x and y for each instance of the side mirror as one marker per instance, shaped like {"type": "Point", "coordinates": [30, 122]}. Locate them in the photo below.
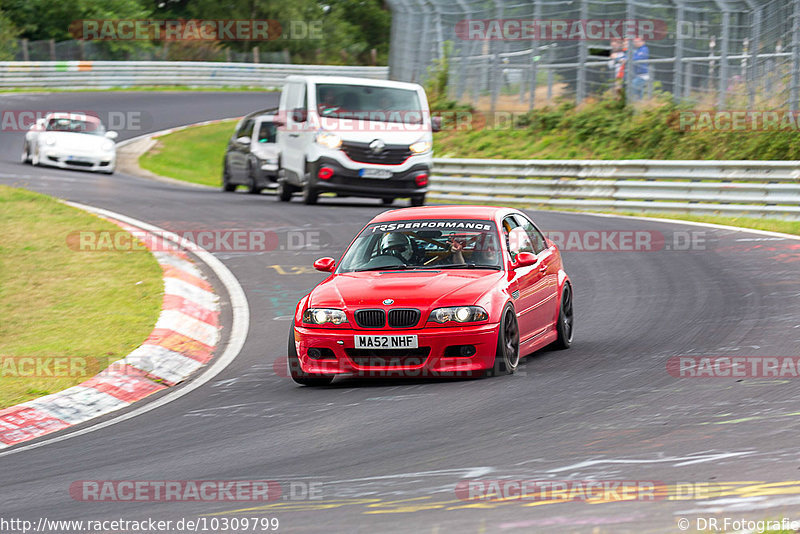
{"type": "Point", "coordinates": [111, 134]}
{"type": "Point", "coordinates": [40, 124]}
{"type": "Point", "coordinates": [436, 123]}
{"type": "Point", "coordinates": [326, 265]}
{"type": "Point", "coordinates": [243, 140]}
{"type": "Point", "coordinates": [524, 259]}
{"type": "Point", "coordinates": [278, 122]}
{"type": "Point", "coordinates": [299, 115]}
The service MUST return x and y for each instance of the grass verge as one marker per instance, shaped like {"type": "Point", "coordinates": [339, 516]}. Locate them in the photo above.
{"type": "Point", "coordinates": [65, 312]}
{"type": "Point", "coordinates": [193, 155]}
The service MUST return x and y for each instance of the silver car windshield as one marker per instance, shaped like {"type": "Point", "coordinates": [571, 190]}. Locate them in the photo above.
{"type": "Point", "coordinates": [423, 244]}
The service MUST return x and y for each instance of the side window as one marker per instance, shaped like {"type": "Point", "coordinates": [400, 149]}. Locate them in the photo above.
{"type": "Point", "coordinates": [537, 239]}
{"type": "Point", "coordinates": [246, 129]}
{"type": "Point", "coordinates": [510, 237]}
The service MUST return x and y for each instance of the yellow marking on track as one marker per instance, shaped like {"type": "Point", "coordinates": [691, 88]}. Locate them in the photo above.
{"type": "Point", "coordinates": [688, 491]}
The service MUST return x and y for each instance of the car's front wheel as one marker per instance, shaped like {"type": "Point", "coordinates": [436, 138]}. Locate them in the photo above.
{"type": "Point", "coordinates": [252, 185]}
{"type": "Point", "coordinates": [565, 319]}
{"type": "Point", "coordinates": [506, 358]}
{"type": "Point", "coordinates": [26, 157]}
{"type": "Point", "coordinates": [296, 371]}
{"type": "Point", "coordinates": [227, 186]}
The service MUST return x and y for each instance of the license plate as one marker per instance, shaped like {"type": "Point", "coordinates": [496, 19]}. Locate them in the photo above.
{"type": "Point", "coordinates": [386, 342]}
{"type": "Point", "coordinates": [375, 173]}
{"type": "Point", "coordinates": [78, 159]}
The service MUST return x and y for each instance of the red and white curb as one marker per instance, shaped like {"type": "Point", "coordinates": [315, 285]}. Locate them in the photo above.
{"type": "Point", "coordinates": [183, 340]}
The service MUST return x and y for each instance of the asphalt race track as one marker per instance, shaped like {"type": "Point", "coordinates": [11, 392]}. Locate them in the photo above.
{"type": "Point", "coordinates": [388, 455]}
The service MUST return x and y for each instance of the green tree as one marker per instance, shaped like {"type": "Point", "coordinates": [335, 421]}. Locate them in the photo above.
{"type": "Point", "coordinates": [8, 38]}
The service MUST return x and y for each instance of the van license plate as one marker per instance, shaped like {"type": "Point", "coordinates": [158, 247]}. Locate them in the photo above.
{"type": "Point", "coordinates": [375, 173]}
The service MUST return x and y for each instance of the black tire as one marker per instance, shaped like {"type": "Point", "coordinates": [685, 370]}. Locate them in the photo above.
{"type": "Point", "coordinates": [418, 201]}
{"type": "Point", "coordinates": [252, 188]}
{"type": "Point", "coordinates": [506, 358]}
{"type": "Point", "coordinates": [227, 186]}
{"type": "Point", "coordinates": [26, 157]}
{"type": "Point", "coordinates": [565, 325]}
{"type": "Point", "coordinates": [284, 191]}
{"type": "Point", "coordinates": [296, 371]}
{"type": "Point", "coordinates": [387, 201]}
{"type": "Point", "coordinates": [310, 195]}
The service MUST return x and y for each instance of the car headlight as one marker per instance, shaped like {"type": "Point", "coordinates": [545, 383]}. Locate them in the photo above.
{"type": "Point", "coordinates": [49, 140]}
{"type": "Point", "coordinates": [329, 140]}
{"type": "Point", "coordinates": [459, 314]}
{"type": "Point", "coordinates": [324, 316]}
{"type": "Point", "coordinates": [107, 146]}
{"type": "Point", "coordinates": [420, 147]}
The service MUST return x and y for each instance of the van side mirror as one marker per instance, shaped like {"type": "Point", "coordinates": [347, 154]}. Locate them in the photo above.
{"type": "Point", "coordinates": [436, 123]}
{"type": "Point", "coordinates": [299, 115]}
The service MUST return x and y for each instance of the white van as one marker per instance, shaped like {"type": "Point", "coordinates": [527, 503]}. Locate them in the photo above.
{"type": "Point", "coordinates": [354, 137]}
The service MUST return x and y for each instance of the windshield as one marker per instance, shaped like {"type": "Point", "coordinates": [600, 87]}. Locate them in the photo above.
{"type": "Point", "coordinates": [385, 104]}
{"type": "Point", "coordinates": [75, 126]}
{"type": "Point", "coordinates": [421, 244]}
{"type": "Point", "coordinates": [267, 132]}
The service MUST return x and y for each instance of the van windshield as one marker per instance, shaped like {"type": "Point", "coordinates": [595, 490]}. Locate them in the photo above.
{"type": "Point", "coordinates": [385, 104]}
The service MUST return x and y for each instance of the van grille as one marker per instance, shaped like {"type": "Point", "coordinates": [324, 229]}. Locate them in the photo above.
{"type": "Point", "coordinates": [391, 154]}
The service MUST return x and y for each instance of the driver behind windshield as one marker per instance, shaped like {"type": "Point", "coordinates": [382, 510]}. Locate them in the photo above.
{"type": "Point", "coordinates": [397, 245]}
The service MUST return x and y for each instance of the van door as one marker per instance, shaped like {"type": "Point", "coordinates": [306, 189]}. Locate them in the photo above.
{"type": "Point", "coordinates": [293, 148]}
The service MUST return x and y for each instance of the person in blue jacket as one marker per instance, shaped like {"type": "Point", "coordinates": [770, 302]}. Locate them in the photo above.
{"type": "Point", "coordinates": [641, 71]}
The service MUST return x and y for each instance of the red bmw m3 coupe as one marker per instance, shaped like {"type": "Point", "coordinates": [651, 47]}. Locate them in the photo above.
{"type": "Point", "coordinates": [434, 291]}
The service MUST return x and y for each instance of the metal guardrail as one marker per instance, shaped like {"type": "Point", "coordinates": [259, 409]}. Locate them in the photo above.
{"type": "Point", "coordinates": [751, 188]}
{"type": "Point", "coordinates": [98, 74]}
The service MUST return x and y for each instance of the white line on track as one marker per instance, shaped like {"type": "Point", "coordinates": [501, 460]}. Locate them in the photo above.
{"type": "Point", "coordinates": [239, 328]}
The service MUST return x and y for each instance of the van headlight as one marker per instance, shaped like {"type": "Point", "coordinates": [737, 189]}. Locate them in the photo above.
{"type": "Point", "coordinates": [420, 147]}
{"type": "Point", "coordinates": [329, 140]}
{"type": "Point", "coordinates": [324, 316]}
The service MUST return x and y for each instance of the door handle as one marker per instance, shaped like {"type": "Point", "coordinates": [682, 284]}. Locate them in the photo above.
{"type": "Point", "coordinates": [294, 135]}
{"type": "Point", "coordinates": [543, 269]}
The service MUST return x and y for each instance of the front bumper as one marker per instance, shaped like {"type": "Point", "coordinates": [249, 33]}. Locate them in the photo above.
{"type": "Point", "coordinates": [430, 359]}
{"type": "Point", "coordinates": [347, 182]}
{"type": "Point", "coordinates": [83, 161]}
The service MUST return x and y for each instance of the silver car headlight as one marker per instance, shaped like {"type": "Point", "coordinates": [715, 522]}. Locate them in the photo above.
{"type": "Point", "coordinates": [324, 316]}
{"type": "Point", "coordinates": [459, 314]}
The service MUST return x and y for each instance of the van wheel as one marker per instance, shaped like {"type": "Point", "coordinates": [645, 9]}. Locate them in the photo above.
{"type": "Point", "coordinates": [309, 195]}
{"type": "Point", "coordinates": [284, 191]}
